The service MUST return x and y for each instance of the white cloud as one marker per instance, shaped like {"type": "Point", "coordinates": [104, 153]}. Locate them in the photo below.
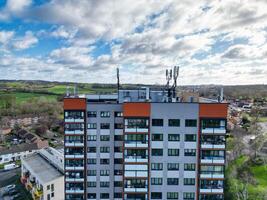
{"type": "Point", "coordinates": [25, 42]}
{"type": "Point", "coordinates": [5, 36]}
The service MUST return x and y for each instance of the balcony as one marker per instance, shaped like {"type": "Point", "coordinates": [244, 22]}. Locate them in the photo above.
{"type": "Point", "coordinates": [135, 189]}
{"type": "Point", "coordinates": [74, 179]}
{"type": "Point", "coordinates": [75, 191]}
{"type": "Point", "coordinates": [118, 131]}
{"type": "Point", "coordinates": [136, 144]}
{"type": "Point", "coordinates": [136, 173]}
{"type": "Point", "coordinates": [74, 167]}
{"type": "Point", "coordinates": [211, 175]}
{"type": "Point", "coordinates": [74, 120]}
{"type": "Point", "coordinates": [135, 159]}
{"type": "Point", "coordinates": [74, 156]}
{"type": "Point", "coordinates": [74, 132]}
{"type": "Point", "coordinates": [216, 191]}
{"type": "Point", "coordinates": [136, 130]}
{"type": "Point", "coordinates": [220, 130]}
{"type": "Point", "coordinates": [212, 160]}
{"type": "Point", "coordinates": [74, 144]}
{"type": "Point", "coordinates": [212, 146]}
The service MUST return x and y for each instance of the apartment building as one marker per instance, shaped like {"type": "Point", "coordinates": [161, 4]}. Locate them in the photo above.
{"type": "Point", "coordinates": [42, 174]}
{"type": "Point", "coordinates": [138, 145]}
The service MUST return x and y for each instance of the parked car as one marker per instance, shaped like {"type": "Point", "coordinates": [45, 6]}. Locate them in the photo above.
{"type": "Point", "coordinates": [10, 187]}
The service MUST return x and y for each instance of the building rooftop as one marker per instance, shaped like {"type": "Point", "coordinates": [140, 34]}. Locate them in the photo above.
{"type": "Point", "coordinates": [19, 148]}
{"type": "Point", "coordinates": [45, 171]}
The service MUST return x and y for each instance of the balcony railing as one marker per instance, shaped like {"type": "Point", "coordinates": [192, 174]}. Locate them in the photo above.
{"type": "Point", "coordinates": [135, 159]}
{"type": "Point", "coordinates": [135, 130]}
{"type": "Point", "coordinates": [212, 160]}
{"type": "Point", "coordinates": [211, 190]}
{"type": "Point", "coordinates": [135, 173]}
{"type": "Point", "coordinates": [74, 119]}
{"type": "Point", "coordinates": [75, 132]}
{"type": "Point", "coordinates": [220, 130]}
{"type": "Point", "coordinates": [212, 146]}
{"type": "Point", "coordinates": [136, 144]}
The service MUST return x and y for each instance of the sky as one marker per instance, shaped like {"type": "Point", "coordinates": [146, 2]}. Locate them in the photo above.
{"type": "Point", "coordinates": [213, 42]}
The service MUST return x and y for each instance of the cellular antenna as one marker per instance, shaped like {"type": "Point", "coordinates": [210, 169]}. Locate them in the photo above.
{"type": "Point", "coordinates": [175, 77]}
{"type": "Point", "coordinates": [118, 81]}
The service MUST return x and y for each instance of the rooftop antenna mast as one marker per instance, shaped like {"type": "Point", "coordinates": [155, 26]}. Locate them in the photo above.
{"type": "Point", "coordinates": [168, 78]}
{"type": "Point", "coordinates": [118, 81]}
{"type": "Point", "coordinates": [175, 76]}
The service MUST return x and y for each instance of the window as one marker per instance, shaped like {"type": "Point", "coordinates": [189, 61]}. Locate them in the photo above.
{"type": "Point", "coordinates": [104, 161]}
{"type": "Point", "coordinates": [117, 195]}
{"type": "Point", "coordinates": [118, 137]}
{"type": "Point", "coordinates": [104, 195]}
{"type": "Point", "coordinates": [104, 149]}
{"type": "Point", "coordinates": [118, 126]}
{"type": "Point", "coordinates": [190, 137]}
{"type": "Point", "coordinates": [91, 172]}
{"type": "Point", "coordinates": [52, 194]}
{"type": "Point", "coordinates": [91, 184]}
{"type": "Point", "coordinates": [174, 122]}
{"type": "Point", "coordinates": [91, 126]}
{"type": "Point", "coordinates": [91, 137]}
{"type": "Point", "coordinates": [173, 166]}
{"type": "Point", "coordinates": [48, 196]}
{"type": "Point", "coordinates": [117, 149]}
{"type": "Point", "coordinates": [91, 161]}
{"type": "Point", "coordinates": [118, 161]}
{"type": "Point", "coordinates": [104, 114]}
{"type": "Point", "coordinates": [156, 195]}
{"type": "Point", "coordinates": [173, 152]}
{"type": "Point", "coordinates": [157, 137]}
{"type": "Point", "coordinates": [189, 181]}
{"type": "Point", "coordinates": [104, 137]}
{"type": "Point", "coordinates": [157, 152]}
{"type": "Point", "coordinates": [156, 181]}
{"type": "Point", "coordinates": [190, 122]}
{"type": "Point", "coordinates": [189, 167]}
{"type": "Point", "coordinates": [189, 196]}
{"type": "Point", "coordinates": [48, 187]}
{"type": "Point", "coordinates": [190, 152]}
{"type": "Point", "coordinates": [118, 184]}
{"type": "Point", "coordinates": [118, 114]}
{"type": "Point", "coordinates": [91, 114]}
{"type": "Point", "coordinates": [104, 184]}
{"type": "Point", "coordinates": [104, 172]}
{"type": "Point", "coordinates": [118, 172]}
{"type": "Point", "coordinates": [52, 187]}
{"type": "Point", "coordinates": [104, 126]}
{"type": "Point", "coordinates": [156, 166]}
{"type": "Point", "coordinates": [173, 181]}
{"type": "Point", "coordinates": [173, 137]}
{"type": "Point", "coordinates": [157, 122]}
{"type": "Point", "coordinates": [172, 195]}
{"type": "Point", "coordinates": [91, 195]}
{"type": "Point", "coordinates": [91, 149]}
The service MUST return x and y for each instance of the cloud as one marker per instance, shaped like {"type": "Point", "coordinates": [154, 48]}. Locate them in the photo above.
{"type": "Point", "coordinates": [14, 8]}
{"type": "Point", "coordinates": [25, 42]}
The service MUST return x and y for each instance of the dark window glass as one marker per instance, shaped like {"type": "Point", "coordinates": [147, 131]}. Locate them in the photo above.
{"type": "Point", "coordinates": [157, 152]}
{"type": "Point", "coordinates": [104, 114]}
{"type": "Point", "coordinates": [190, 137]}
{"type": "Point", "coordinates": [104, 126]}
{"type": "Point", "coordinates": [118, 126]}
{"type": "Point", "coordinates": [190, 122]}
{"type": "Point", "coordinates": [174, 122]}
{"type": "Point", "coordinates": [173, 181]}
{"type": "Point", "coordinates": [91, 114]}
{"type": "Point", "coordinates": [157, 137]}
{"type": "Point", "coordinates": [156, 195]}
{"type": "Point", "coordinates": [157, 122]}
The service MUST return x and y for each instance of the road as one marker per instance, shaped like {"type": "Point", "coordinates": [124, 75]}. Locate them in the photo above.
{"type": "Point", "coordinates": [7, 175]}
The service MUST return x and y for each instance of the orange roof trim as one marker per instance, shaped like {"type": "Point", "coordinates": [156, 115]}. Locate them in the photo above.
{"type": "Point", "coordinates": [136, 109]}
{"type": "Point", "coordinates": [213, 110]}
{"type": "Point", "coordinates": [74, 104]}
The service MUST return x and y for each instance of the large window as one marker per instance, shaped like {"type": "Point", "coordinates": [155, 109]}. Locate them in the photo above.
{"type": "Point", "coordinates": [157, 152]}
{"type": "Point", "coordinates": [104, 137]}
{"type": "Point", "coordinates": [190, 122]}
{"type": "Point", "coordinates": [74, 115]}
{"type": "Point", "coordinates": [91, 149]}
{"type": "Point", "coordinates": [189, 181]}
{"type": "Point", "coordinates": [190, 137]}
{"type": "Point", "coordinates": [211, 184]}
{"type": "Point", "coordinates": [136, 123]}
{"type": "Point", "coordinates": [173, 166]}
{"type": "Point", "coordinates": [73, 127]}
{"type": "Point", "coordinates": [190, 152]}
{"type": "Point", "coordinates": [156, 166]}
{"type": "Point", "coordinates": [172, 195]}
{"type": "Point", "coordinates": [136, 138]}
{"type": "Point", "coordinates": [104, 114]}
{"type": "Point", "coordinates": [157, 122]}
{"type": "Point", "coordinates": [157, 137]}
{"type": "Point", "coordinates": [91, 114]}
{"type": "Point", "coordinates": [173, 152]}
{"type": "Point", "coordinates": [118, 114]}
{"type": "Point", "coordinates": [173, 137]}
{"type": "Point", "coordinates": [104, 126]}
{"type": "Point", "coordinates": [104, 149]}
{"type": "Point", "coordinates": [174, 122]}
{"type": "Point", "coordinates": [213, 123]}
{"type": "Point", "coordinates": [91, 125]}
{"type": "Point", "coordinates": [189, 167]}
{"type": "Point", "coordinates": [188, 196]}
{"type": "Point", "coordinates": [213, 154]}
{"type": "Point", "coordinates": [213, 139]}
{"type": "Point", "coordinates": [156, 195]}
{"type": "Point", "coordinates": [173, 181]}
{"type": "Point", "coordinates": [156, 181]}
